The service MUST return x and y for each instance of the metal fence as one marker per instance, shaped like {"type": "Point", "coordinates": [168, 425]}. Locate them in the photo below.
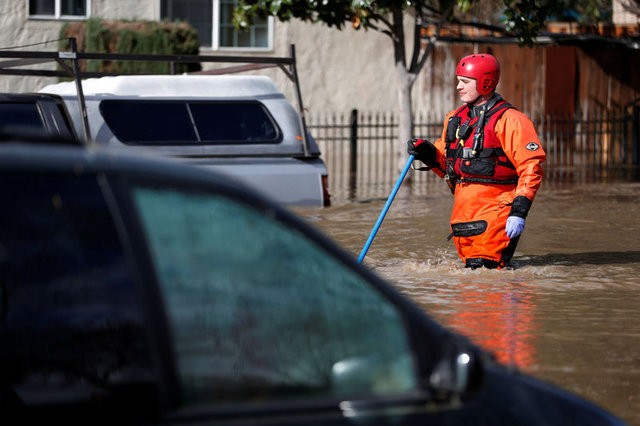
{"type": "Point", "coordinates": [364, 156]}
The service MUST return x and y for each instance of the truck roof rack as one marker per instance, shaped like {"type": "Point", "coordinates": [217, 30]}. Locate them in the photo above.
{"type": "Point", "coordinates": [13, 62]}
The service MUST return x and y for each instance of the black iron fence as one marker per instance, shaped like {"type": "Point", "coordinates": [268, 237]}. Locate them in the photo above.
{"type": "Point", "coordinates": [364, 156]}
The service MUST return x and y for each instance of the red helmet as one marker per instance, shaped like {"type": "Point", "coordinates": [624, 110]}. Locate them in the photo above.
{"type": "Point", "coordinates": [484, 68]}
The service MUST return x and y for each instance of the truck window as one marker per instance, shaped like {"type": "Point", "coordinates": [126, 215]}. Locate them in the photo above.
{"type": "Point", "coordinates": [236, 122]}
{"type": "Point", "coordinates": [161, 122]}
{"type": "Point", "coordinates": [149, 122]}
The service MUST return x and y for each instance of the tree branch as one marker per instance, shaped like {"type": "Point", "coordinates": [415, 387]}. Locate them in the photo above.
{"type": "Point", "coordinates": [420, 57]}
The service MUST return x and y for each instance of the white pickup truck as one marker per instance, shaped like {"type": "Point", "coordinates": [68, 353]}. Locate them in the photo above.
{"type": "Point", "coordinates": [241, 125]}
{"type": "Point", "coordinates": [238, 124]}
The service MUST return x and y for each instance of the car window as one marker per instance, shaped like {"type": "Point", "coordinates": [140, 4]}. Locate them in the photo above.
{"type": "Point", "coordinates": [15, 117]}
{"type": "Point", "coordinates": [71, 325]}
{"type": "Point", "coordinates": [159, 122]}
{"type": "Point", "coordinates": [260, 312]}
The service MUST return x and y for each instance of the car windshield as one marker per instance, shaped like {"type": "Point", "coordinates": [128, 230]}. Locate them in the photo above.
{"type": "Point", "coordinates": [259, 311]}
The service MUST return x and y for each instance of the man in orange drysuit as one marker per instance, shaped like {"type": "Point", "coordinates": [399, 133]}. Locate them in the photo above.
{"type": "Point", "coordinates": [491, 157]}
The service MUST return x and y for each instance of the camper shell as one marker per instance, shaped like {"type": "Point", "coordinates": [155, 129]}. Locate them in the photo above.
{"type": "Point", "coordinates": [118, 107]}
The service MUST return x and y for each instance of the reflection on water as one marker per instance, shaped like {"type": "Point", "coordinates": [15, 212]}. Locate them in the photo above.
{"type": "Point", "coordinates": [569, 312]}
{"type": "Point", "coordinates": [498, 317]}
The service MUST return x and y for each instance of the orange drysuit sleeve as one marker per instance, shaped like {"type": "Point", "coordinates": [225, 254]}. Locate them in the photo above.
{"type": "Point", "coordinates": [441, 146]}
{"type": "Point", "coordinates": [521, 144]}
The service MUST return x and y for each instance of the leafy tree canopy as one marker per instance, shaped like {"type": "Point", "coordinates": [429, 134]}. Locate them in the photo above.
{"type": "Point", "coordinates": [522, 18]}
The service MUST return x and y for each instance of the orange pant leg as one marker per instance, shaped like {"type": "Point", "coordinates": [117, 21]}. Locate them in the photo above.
{"type": "Point", "coordinates": [478, 220]}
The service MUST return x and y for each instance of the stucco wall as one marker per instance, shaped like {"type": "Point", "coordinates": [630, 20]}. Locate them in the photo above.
{"type": "Point", "coordinates": [42, 34]}
{"type": "Point", "coordinates": [622, 16]}
{"type": "Point", "coordinates": [342, 70]}
{"type": "Point", "coordinates": [126, 9]}
{"type": "Point", "coordinates": [17, 31]}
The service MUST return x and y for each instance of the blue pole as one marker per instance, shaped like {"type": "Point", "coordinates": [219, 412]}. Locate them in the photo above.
{"type": "Point", "coordinates": [383, 213]}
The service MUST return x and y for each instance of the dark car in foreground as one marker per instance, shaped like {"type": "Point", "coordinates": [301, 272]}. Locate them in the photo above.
{"type": "Point", "coordinates": [138, 290]}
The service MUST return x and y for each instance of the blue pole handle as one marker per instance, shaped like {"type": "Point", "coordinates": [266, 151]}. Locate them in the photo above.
{"type": "Point", "coordinates": [383, 213]}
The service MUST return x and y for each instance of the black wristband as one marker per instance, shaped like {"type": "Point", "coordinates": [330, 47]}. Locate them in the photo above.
{"type": "Point", "coordinates": [520, 206]}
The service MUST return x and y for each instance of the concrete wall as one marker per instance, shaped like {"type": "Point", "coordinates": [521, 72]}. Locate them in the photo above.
{"type": "Point", "coordinates": [17, 30]}
{"type": "Point", "coordinates": [622, 16]}
{"type": "Point", "coordinates": [42, 34]}
{"type": "Point", "coordinates": [341, 70]}
{"type": "Point", "coordinates": [126, 9]}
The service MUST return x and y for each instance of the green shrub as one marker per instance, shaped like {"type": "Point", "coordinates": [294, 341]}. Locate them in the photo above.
{"type": "Point", "coordinates": [137, 37]}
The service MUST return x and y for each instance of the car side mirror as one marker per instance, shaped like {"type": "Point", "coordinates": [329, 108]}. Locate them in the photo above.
{"type": "Point", "coordinates": [458, 373]}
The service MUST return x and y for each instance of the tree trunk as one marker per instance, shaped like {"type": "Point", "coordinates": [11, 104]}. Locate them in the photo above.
{"type": "Point", "coordinates": [405, 113]}
{"type": "Point", "coordinates": [404, 82]}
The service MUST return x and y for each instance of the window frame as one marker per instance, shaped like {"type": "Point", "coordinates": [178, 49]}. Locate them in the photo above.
{"type": "Point", "coordinates": [216, 28]}
{"type": "Point", "coordinates": [215, 31]}
{"type": "Point", "coordinates": [58, 12]}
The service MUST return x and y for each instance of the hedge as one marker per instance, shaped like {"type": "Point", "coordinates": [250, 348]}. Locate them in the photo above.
{"type": "Point", "coordinates": [138, 37]}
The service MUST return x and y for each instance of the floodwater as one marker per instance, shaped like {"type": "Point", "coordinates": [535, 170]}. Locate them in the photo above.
{"type": "Point", "coordinates": [568, 313]}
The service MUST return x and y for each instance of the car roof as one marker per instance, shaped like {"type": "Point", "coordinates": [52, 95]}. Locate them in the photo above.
{"type": "Point", "coordinates": [171, 86]}
{"type": "Point", "coordinates": [23, 156]}
{"type": "Point", "coordinates": [18, 155]}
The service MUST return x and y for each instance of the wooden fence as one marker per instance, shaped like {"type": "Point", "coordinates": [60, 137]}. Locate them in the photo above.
{"type": "Point", "coordinates": [364, 156]}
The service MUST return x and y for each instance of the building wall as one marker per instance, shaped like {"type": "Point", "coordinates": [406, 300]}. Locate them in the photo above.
{"type": "Point", "coordinates": [126, 9]}
{"type": "Point", "coordinates": [42, 34]}
{"type": "Point", "coordinates": [18, 31]}
{"type": "Point", "coordinates": [355, 69]}
{"type": "Point", "coordinates": [621, 16]}
{"type": "Point", "coordinates": [341, 70]}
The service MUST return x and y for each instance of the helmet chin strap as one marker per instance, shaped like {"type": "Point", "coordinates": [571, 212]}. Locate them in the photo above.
{"type": "Point", "coordinates": [484, 98]}
{"type": "Point", "coordinates": [473, 105]}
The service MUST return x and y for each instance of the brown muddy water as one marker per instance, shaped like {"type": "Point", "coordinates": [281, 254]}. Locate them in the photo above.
{"type": "Point", "coordinates": [569, 313]}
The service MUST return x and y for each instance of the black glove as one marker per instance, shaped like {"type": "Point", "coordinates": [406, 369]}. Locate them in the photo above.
{"type": "Point", "coordinates": [422, 150]}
